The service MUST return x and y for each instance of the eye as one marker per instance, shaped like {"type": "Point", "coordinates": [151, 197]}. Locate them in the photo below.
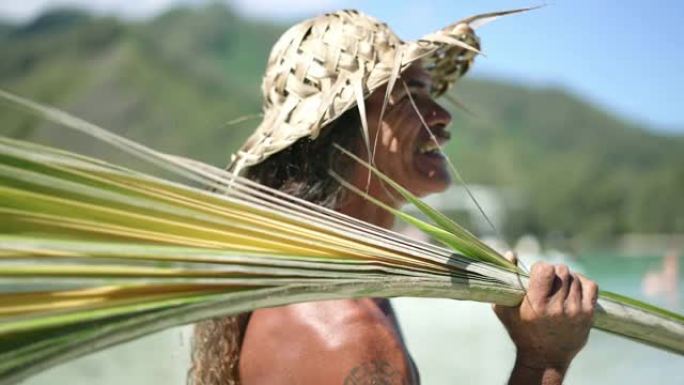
{"type": "Point", "coordinates": [417, 84]}
{"type": "Point", "coordinates": [415, 93]}
{"type": "Point", "coordinates": [398, 95]}
{"type": "Point", "coordinates": [416, 87]}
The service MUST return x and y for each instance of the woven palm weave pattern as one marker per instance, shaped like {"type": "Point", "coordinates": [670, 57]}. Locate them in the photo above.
{"type": "Point", "coordinates": [321, 67]}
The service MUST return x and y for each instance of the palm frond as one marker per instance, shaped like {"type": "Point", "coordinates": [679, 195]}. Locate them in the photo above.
{"type": "Point", "coordinates": [93, 254]}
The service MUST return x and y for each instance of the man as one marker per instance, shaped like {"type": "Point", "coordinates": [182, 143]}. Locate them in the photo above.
{"type": "Point", "coordinates": [346, 79]}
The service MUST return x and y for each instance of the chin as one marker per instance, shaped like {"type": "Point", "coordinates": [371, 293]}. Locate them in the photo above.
{"type": "Point", "coordinates": [429, 174]}
{"type": "Point", "coordinates": [430, 185]}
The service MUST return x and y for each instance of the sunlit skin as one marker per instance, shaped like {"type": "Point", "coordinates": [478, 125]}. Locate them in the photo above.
{"type": "Point", "coordinates": [359, 341]}
{"type": "Point", "coordinates": [395, 142]}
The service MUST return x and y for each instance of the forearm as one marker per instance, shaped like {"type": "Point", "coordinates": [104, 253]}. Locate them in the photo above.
{"type": "Point", "coordinates": [524, 374]}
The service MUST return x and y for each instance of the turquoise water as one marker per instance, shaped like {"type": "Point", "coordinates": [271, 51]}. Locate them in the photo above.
{"type": "Point", "coordinates": [624, 275]}
{"type": "Point", "coordinates": [452, 342]}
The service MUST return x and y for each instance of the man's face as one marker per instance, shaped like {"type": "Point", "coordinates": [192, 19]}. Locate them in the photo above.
{"type": "Point", "coordinates": [405, 149]}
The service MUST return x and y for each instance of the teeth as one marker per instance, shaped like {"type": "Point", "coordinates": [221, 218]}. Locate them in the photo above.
{"type": "Point", "coordinates": [428, 147]}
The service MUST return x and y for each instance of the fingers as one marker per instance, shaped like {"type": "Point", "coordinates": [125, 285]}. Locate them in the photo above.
{"type": "Point", "coordinates": [541, 283]}
{"type": "Point", "coordinates": [589, 294]}
{"type": "Point", "coordinates": [555, 291]}
{"type": "Point", "coordinates": [562, 275]}
{"type": "Point", "coordinates": [560, 290]}
{"type": "Point", "coordinates": [573, 302]}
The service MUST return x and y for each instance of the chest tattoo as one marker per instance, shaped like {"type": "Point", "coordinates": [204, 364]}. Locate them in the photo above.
{"type": "Point", "coordinates": [375, 372]}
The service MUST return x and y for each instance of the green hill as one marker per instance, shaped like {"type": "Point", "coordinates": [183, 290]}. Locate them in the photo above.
{"type": "Point", "coordinates": [175, 81]}
{"type": "Point", "coordinates": [584, 172]}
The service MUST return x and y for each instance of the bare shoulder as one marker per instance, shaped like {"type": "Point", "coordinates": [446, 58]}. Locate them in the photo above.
{"type": "Point", "coordinates": [343, 341]}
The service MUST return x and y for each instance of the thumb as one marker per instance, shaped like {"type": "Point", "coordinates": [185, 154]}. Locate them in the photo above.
{"type": "Point", "coordinates": [511, 256]}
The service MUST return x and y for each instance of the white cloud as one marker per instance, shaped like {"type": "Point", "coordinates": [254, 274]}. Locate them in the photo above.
{"type": "Point", "coordinates": [26, 9]}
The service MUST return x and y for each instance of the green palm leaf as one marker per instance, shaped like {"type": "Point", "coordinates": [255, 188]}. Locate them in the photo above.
{"type": "Point", "coordinates": [93, 254]}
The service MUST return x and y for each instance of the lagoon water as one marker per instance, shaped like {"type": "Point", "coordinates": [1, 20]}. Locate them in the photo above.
{"type": "Point", "coordinates": [452, 342]}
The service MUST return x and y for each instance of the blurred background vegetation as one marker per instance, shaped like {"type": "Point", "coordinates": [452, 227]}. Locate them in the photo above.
{"type": "Point", "coordinates": [580, 179]}
{"type": "Point", "coordinates": [583, 177]}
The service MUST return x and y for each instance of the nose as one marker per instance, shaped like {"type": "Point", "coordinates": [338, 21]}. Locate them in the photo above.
{"type": "Point", "coordinates": [437, 115]}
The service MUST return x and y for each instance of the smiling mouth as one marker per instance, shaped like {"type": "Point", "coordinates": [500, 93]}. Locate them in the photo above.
{"type": "Point", "coordinates": [430, 148]}
{"type": "Point", "coordinates": [429, 160]}
{"type": "Point", "coordinates": [431, 144]}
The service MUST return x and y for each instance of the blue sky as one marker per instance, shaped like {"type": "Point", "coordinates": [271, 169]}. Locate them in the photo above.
{"type": "Point", "coordinates": [627, 56]}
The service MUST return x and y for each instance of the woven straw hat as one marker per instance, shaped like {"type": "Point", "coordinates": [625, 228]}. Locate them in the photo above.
{"type": "Point", "coordinates": [324, 66]}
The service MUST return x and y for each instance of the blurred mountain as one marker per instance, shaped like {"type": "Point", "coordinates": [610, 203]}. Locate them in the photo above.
{"type": "Point", "coordinates": [172, 82]}
{"type": "Point", "coordinates": [176, 81]}
{"type": "Point", "coordinates": [582, 172]}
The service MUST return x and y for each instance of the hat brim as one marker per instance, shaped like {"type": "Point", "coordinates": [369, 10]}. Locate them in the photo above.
{"type": "Point", "coordinates": [305, 105]}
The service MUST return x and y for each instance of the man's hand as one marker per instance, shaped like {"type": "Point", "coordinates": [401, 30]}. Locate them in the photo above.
{"type": "Point", "coordinates": [551, 324]}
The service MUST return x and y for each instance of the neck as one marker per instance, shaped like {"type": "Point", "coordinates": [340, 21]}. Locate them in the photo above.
{"type": "Point", "coordinates": [360, 208]}
{"type": "Point", "coordinates": [368, 212]}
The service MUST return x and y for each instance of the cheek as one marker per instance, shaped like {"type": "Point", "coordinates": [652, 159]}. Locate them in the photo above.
{"type": "Point", "coordinates": [396, 129]}
{"type": "Point", "coordinates": [392, 160]}
{"type": "Point", "coordinates": [389, 147]}
{"type": "Point", "coordinates": [394, 146]}
{"type": "Point", "coordinates": [386, 136]}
